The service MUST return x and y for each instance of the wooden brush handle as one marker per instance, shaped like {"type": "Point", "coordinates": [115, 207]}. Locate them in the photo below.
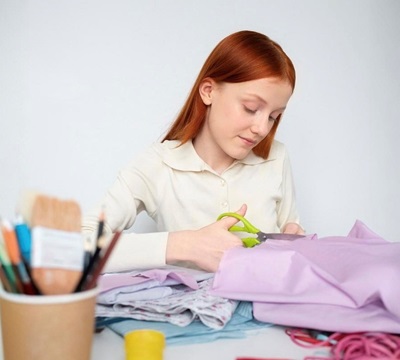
{"type": "Point", "coordinates": [65, 215]}
{"type": "Point", "coordinates": [58, 214]}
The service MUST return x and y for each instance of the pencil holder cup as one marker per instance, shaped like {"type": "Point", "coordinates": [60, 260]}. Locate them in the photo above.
{"type": "Point", "coordinates": [47, 327]}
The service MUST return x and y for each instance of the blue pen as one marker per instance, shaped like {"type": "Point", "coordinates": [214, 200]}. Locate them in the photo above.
{"type": "Point", "coordinates": [24, 238]}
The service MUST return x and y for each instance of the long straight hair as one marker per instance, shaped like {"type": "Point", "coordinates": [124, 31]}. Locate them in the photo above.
{"type": "Point", "coordinates": [241, 56]}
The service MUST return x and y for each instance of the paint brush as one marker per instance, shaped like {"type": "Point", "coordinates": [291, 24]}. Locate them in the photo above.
{"type": "Point", "coordinates": [100, 228]}
{"type": "Point", "coordinates": [97, 263]}
{"type": "Point", "coordinates": [89, 253]}
{"type": "Point", "coordinates": [57, 245]}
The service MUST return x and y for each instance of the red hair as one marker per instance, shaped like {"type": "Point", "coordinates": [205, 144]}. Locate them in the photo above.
{"type": "Point", "coordinates": [242, 56]}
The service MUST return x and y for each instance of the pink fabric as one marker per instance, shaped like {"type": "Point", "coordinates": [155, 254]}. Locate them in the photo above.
{"type": "Point", "coordinates": [334, 283]}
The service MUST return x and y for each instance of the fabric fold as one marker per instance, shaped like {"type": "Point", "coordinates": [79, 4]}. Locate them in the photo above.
{"type": "Point", "coordinates": [177, 297]}
{"type": "Point", "coordinates": [337, 283]}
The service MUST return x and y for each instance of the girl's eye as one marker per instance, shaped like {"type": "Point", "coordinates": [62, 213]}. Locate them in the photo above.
{"type": "Point", "coordinates": [250, 111]}
{"type": "Point", "coordinates": [275, 118]}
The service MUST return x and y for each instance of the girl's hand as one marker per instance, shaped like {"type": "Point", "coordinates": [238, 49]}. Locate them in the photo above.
{"type": "Point", "coordinates": [293, 228]}
{"type": "Point", "coordinates": [206, 246]}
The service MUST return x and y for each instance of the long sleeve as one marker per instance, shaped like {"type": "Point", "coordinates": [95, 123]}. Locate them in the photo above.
{"type": "Point", "coordinates": [131, 193]}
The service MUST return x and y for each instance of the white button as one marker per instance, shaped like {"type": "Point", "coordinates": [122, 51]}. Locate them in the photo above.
{"type": "Point", "coordinates": [224, 204]}
{"type": "Point", "coordinates": [222, 182]}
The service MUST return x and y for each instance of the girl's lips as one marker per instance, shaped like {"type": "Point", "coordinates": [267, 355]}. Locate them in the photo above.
{"type": "Point", "coordinates": [247, 141]}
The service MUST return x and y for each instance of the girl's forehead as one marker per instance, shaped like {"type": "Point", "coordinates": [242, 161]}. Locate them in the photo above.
{"type": "Point", "coordinates": [261, 89]}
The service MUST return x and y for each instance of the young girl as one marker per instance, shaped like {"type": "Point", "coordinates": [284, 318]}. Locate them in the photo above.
{"type": "Point", "coordinates": [219, 155]}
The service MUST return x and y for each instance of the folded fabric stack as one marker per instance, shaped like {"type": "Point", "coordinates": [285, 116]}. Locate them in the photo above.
{"type": "Point", "coordinates": [172, 300]}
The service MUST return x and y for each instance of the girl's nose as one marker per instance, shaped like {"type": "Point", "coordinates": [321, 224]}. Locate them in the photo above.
{"type": "Point", "coordinates": [261, 127]}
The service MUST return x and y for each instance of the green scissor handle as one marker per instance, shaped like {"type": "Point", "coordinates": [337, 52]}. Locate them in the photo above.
{"type": "Point", "coordinates": [247, 227]}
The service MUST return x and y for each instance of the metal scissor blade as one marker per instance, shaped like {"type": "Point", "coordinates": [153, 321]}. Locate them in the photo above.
{"type": "Point", "coordinates": [277, 236]}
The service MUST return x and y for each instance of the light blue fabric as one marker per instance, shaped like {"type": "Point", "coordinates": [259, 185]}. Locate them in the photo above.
{"type": "Point", "coordinates": [241, 321]}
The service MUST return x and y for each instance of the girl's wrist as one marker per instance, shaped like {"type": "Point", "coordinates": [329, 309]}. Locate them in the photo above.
{"type": "Point", "coordinates": [178, 247]}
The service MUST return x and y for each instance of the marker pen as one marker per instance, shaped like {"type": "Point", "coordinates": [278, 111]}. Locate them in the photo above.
{"type": "Point", "coordinates": [24, 238]}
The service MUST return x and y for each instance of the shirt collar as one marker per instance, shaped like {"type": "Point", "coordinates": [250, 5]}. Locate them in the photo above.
{"type": "Point", "coordinates": [185, 158]}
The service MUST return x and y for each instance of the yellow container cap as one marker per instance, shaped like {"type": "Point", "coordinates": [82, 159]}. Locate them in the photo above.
{"type": "Point", "coordinates": [144, 345]}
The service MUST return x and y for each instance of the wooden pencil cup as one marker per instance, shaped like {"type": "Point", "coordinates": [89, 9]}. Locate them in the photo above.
{"type": "Point", "coordinates": [48, 327]}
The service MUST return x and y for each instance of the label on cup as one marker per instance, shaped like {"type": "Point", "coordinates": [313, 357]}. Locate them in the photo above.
{"type": "Point", "coordinates": [57, 249]}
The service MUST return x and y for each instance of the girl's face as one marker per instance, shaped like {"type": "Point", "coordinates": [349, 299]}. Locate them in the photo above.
{"type": "Point", "coordinates": [239, 116]}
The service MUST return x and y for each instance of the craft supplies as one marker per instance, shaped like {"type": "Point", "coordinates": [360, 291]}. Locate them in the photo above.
{"type": "Point", "coordinates": [92, 259]}
{"type": "Point", "coordinates": [144, 344]}
{"type": "Point", "coordinates": [46, 248]}
{"type": "Point", "coordinates": [89, 253]}
{"type": "Point", "coordinates": [44, 252]}
{"type": "Point", "coordinates": [249, 228]}
{"type": "Point", "coordinates": [351, 346]}
{"type": "Point", "coordinates": [57, 245]}
{"type": "Point", "coordinates": [24, 239]}
{"type": "Point", "coordinates": [9, 278]}
{"type": "Point", "coordinates": [12, 248]}
{"type": "Point", "coordinates": [96, 265]}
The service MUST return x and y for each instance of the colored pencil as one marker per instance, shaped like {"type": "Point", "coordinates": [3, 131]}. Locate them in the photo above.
{"type": "Point", "coordinates": [11, 243]}
{"type": "Point", "coordinates": [98, 261]}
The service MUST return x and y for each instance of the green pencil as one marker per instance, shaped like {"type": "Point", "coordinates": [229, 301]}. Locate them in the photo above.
{"type": "Point", "coordinates": [8, 268]}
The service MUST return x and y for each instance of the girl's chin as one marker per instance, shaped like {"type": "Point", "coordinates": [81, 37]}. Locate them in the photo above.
{"type": "Point", "coordinates": [239, 155]}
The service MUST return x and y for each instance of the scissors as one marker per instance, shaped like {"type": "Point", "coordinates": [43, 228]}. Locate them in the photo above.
{"type": "Point", "coordinates": [251, 229]}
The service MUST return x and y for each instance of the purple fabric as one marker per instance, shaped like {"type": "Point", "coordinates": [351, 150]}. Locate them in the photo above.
{"type": "Point", "coordinates": [158, 276]}
{"type": "Point", "coordinates": [334, 283]}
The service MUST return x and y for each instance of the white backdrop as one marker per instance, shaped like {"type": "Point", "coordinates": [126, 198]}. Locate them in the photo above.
{"type": "Point", "coordinates": [86, 85]}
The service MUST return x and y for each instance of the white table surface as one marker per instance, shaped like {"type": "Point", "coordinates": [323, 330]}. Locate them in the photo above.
{"type": "Point", "coordinates": [266, 343]}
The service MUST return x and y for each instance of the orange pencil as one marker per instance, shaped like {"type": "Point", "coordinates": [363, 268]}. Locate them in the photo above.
{"type": "Point", "coordinates": [11, 243]}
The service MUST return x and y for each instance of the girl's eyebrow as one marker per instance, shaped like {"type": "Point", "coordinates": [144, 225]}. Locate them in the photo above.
{"type": "Point", "coordinates": [257, 96]}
